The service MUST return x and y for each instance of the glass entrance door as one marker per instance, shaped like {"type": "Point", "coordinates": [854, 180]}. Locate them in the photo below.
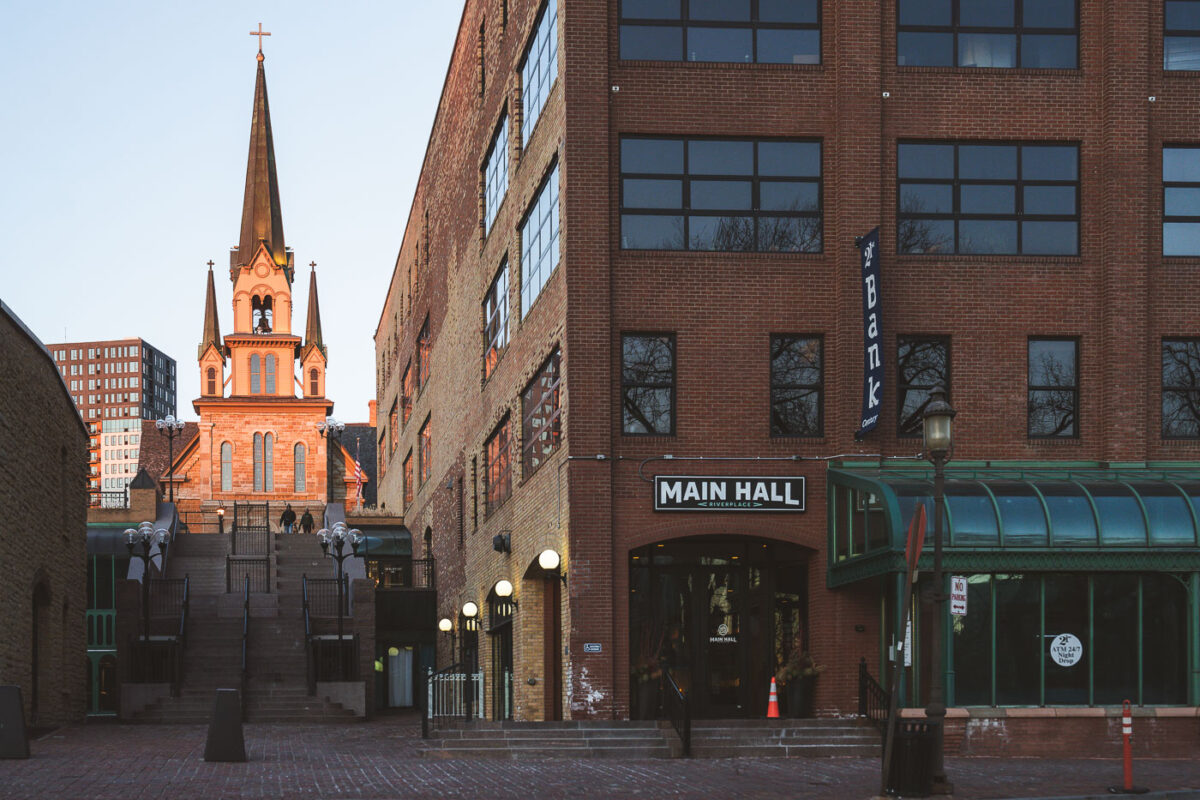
{"type": "Point", "coordinates": [722, 658]}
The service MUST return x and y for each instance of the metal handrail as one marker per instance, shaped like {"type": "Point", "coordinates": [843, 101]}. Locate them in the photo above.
{"type": "Point", "coordinates": [427, 711]}
{"type": "Point", "coordinates": [183, 612]}
{"type": "Point", "coordinates": [679, 709]}
{"type": "Point", "coordinates": [873, 700]}
{"type": "Point", "coordinates": [310, 681]}
{"type": "Point", "coordinates": [245, 637]}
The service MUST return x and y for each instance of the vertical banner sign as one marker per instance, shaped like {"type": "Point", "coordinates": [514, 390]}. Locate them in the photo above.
{"type": "Point", "coordinates": [872, 335]}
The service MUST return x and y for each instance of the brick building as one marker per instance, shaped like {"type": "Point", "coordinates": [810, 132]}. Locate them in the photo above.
{"type": "Point", "coordinates": [115, 384]}
{"type": "Point", "coordinates": [43, 572]}
{"type": "Point", "coordinates": [632, 255]}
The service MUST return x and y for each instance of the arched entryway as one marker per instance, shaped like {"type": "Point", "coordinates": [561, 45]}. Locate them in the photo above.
{"type": "Point", "coordinates": [721, 614]}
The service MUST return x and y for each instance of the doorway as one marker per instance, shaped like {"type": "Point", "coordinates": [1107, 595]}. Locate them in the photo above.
{"type": "Point", "coordinates": [720, 614]}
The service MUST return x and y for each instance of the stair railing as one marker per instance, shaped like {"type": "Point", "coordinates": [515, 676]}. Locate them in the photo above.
{"type": "Point", "coordinates": [183, 613]}
{"type": "Point", "coordinates": [245, 638]}
{"type": "Point", "coordinates": [679, 710]}
{"type": "Point", "coordinates": [310, 678]}
{"type": "Point", "coordinates": [444, 697]}
{"type": "Point", "coordinates": [873, 700]}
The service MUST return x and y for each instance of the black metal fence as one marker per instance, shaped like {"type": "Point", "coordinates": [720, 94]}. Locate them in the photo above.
{"type": "Point", "coordinates": [873, 699]}
{"type": "Point", "coordinates": [323, 597]}
{"type": "Point", "coordinates": [197, 522]}
{"type": "Point", "coordinates": [167, 596]}
{"type": "Point", "coordinates": [402, 573]}
{"type": "Point", "coordinates": [251, 516]}
{"type": "Point", "coordinates": [250, 543]}
{"type": "Point", "coordinates": [334, 660]}
{"type": "Point", "coordinates": [155, 661]}
{"type": "Point", "coordinates": [452, 695]}
{"type": "Point", "coordinates": [678, 709]}
{"type": "Point", "coordinates": [255, 568]}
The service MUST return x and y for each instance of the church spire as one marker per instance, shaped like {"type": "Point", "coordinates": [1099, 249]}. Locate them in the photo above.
{"type": "Point", "coordinates": [312, 329]}
{"type": "Point", "coordinates": [212, 328]}
{"type": "Point", "coordinates": [262, 220]}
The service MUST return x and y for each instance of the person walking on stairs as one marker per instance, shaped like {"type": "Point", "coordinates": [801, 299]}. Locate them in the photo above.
{"type": "Point", "coordinates": [306, 522]}
{"type": "Point", "coordinates": [287, 519]}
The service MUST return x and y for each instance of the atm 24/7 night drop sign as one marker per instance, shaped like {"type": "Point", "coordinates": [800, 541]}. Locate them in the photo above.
{"type": "Point", "coordinates": [708, 493]}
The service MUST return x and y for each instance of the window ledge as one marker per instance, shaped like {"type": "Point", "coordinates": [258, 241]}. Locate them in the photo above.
{"type": "Point", "coordinates": [769, 66]}
{"type": "Point", "coordinates": [1181, 261]}
{"type": "Point", "coordinates": [1062, 441]}
{"type": "Point", "coordinates": [643, 253]}
{"type": "Point", "coordinates": [1073, 261]}
{"type": "Point", "coordinates": [992, 72]}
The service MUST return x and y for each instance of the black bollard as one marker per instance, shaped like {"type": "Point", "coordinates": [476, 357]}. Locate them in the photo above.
{"type": "Point", "coordinates": [225, 741]}
{"type": "Point", "coordinates": [14, 742]}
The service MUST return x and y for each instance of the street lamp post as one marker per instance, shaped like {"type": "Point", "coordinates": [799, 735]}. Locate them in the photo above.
{"type": "Point", "coordinates": [446, 625]}
{"type": "Point", "coordinates": [331, 429]}
{"type": "Point", "coordinates": [170, 427]}
{"type": "Point", "coordinates": [470, 644]}
{"type": "Point", "coordinates": [338, 537]}
{"type": "Point", "coordinates": [146, 536]}
{"type": "Point", "coordinates": [939, 448]}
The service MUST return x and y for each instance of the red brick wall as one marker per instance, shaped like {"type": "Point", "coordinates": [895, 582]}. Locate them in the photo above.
{"type": "Point", "coordinates": [1118, 296]}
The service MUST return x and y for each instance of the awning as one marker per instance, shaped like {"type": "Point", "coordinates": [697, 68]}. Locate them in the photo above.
{"type": "Point", "coordinates": [1045, 514]}
{"type": "Point", "coordinates": [386, 542]}
{"type": "Point", "coordinates": [106, 540]}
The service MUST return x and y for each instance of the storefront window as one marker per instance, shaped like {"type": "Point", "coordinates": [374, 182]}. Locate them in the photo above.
{"type": "Point", "coordinates": [1071, 639]}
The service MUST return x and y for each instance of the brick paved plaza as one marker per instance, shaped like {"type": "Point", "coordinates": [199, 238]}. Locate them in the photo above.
{"type": "Point", "coordinates": [380, 759]}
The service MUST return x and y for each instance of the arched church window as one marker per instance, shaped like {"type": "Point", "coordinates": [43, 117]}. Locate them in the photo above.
{"type": "Point", "coordinates": [261, 308]}
{"type": "Point", "coordinates": [314, 382]}
{"type": "Point", "coordinates": [212, 381]}
{"type": "Point", "coordinates": [270, 373]}
{"type": "Point", "coordinates": [226, 467]}
{"type": "Point", "coordinates": [258, 462]}
{"type": "Point", "coordinates": [269, 464]}
{"type": "Point", "coordinates": [298, 457]}
{"type": "Point", "coordinates": [255, 374]}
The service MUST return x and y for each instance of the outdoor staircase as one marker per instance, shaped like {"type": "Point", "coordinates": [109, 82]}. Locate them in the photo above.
{"type": "Point", "coordinates": [760, 738]}
{"type": "Point", "coordinates": [573, 739]}
{"type": "Point", "coordinates": [276, 687]}
{"type": "Point", "coordinates": [785, 738]}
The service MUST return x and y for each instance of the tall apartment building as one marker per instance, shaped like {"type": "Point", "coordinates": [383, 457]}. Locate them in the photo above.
{"type": "Point", "coordinates": [632, 314]}
{"type": "Point", "coordinates": [115, 384]}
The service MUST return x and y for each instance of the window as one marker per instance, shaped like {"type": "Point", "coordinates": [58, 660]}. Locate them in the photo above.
{"type": "Point", "coordinates": [1181, 388]}
{"type": "Point", "coordinates": [1181, 201]}
{"type": "Point", "coordinates": [406, 393]}
{"type": "Point", "coordinates": [314, 383]}
{"type": "Point", "coordinates": [425, 452]}
{"type": "Point", "coordinates": [258, 462]}
{"type": "Point", "coordinates": [988, 33]}
{"type": "Point", "coordinates": [255, 374]}
{"type": "Point", "coordinates": [540, 413]}
{"type": "Point", "coordinates": [269, 463]}
{"type": "Point", "coordinates": [1181, 35]}
{"type": "Point", "coordinates": [497, 468]}
{"type": "Point", "coordinates": [741, 31]}
{"type": "Point", "coordinates": [226, 467]}
{"type": "Point", "coordinates": [720, 194]}
{"type": "Point", "coordinates": [648, 384]}
{"type": "Point", "coordinates": [299, 460]}
{"type": "Point", "coordinates": [270, 373]}
{"type": "Point", "coordinates": [393, 415]}
{"type": "Point", "coordinates": [495, 321]}
{"type": "Point", "coordinates": [796, 386]}
{"type": "Point", "coordinates": [382, 451]}
{"type": "Point", "coordinates": [212, 381]}
{"type": "Point", "coordinates": [408, 479]}
{"type": "Point", "coordinates": [539, 242]}
{"type": "Point", "coordinates": [922, 362]}
{"type": "Point", "coordinates": [495, 174]}
{"type": "Point", "coordinates": [539, 69]}
{"type": "Point", "coordinates": [1053, 388]}
{"type": "Point", "coordinates": [988, 198]}
{"type": "Point", "coordinates": [424, 348]}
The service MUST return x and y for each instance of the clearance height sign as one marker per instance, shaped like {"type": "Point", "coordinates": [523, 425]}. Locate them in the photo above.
{"type": "Point", "coordinates": [707, 493]}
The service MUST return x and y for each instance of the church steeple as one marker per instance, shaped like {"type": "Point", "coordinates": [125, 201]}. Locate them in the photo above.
{"type": "Point", "coordinates": [312, 329]}
{"type": "Point", "coordinates": [262, 219]}
{"type": "Point", "coordinates": [212, 327]}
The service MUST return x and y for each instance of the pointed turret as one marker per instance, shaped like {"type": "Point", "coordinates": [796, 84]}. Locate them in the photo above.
{"type": "Point", "coordinates": [312, 329]}
{"type": "Point", "coordinates": [212, 327]}
{"type": "Point", "coordinates": [262, 220]}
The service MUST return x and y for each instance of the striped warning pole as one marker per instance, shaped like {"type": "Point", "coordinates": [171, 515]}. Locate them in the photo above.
{"type": "Point", "coordinates": [1127, 752]}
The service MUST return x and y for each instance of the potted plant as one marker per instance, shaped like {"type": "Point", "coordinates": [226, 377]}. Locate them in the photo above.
{"type": "Point", "coordinates": [798, 675]}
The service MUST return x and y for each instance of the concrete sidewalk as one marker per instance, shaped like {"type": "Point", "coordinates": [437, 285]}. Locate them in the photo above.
{"type": "Point", "coordinates": [379, 759]}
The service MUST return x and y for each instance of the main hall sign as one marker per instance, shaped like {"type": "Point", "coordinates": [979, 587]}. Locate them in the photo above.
{"type": "Point", "coordinates": [708, 493]}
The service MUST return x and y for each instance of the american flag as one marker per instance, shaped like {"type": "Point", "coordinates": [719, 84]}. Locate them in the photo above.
{"type": "Point", "coordinates": [358, 473]}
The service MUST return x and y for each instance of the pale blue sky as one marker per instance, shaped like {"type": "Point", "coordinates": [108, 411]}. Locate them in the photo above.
{"type": "Point", "coordinates": [124, 130]}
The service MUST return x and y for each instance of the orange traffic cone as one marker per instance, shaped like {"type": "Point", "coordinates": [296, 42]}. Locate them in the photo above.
{"type": "Point", "coordinates": [773, 703]}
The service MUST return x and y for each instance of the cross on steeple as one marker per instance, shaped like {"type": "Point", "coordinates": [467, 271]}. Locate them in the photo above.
{"type": "Point", "coordinates": [313, 264]}
{"type": "Point", "coordinates": [210, 264]}
{"type": "Point", "coordinates": [260, 33]}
